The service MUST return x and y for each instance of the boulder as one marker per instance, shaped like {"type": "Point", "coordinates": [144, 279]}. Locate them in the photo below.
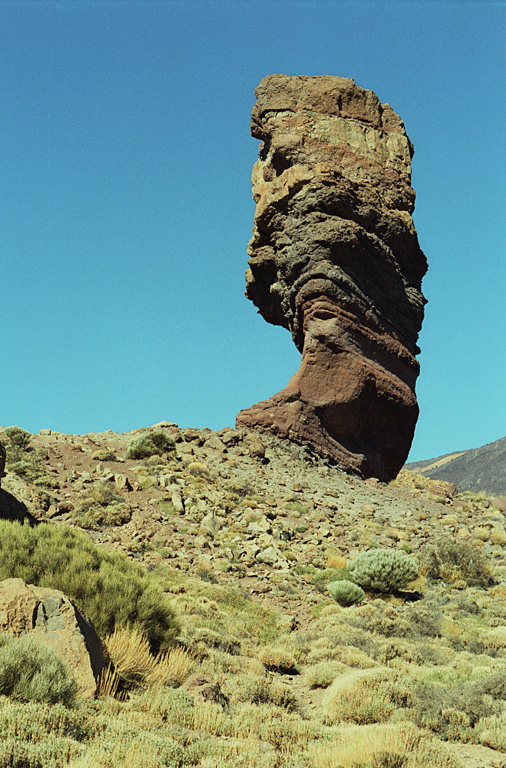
{"type": "Point", "coordinates": [335, 259]}
{"type": "Point", "coordinates": [50, 617]}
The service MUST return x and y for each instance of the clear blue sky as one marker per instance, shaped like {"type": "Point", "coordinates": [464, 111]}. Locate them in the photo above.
{"type": "Point", "coordinates": [126, 203]}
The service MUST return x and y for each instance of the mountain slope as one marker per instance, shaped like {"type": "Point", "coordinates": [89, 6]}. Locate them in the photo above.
{"type": "Point", "coordinates": [478, 469]}
{"type": "Point", "coordinates": [245, 532]}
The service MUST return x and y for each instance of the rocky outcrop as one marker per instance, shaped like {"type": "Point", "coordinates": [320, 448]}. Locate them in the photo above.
{"type": "Point", "coordinates": [2, 461]}
{"type": "Point", "coordinates": [50, 617]}
{"type": "Point", "coordinates": [335, 259]}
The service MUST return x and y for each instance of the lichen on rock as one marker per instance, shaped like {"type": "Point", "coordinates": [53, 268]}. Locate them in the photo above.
{"type": "Point", "coordinates": [335, 259]}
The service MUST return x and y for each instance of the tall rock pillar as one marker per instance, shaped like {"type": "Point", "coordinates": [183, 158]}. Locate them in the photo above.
{"type": "Point", "coordinates": [335, 259]}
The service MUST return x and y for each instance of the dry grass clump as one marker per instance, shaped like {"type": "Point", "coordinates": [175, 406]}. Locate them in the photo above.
{"type": "Point", "coordinates": [129, 650]}
{"type": "Point", "coordinates": [353, 657]}
{"type": "Point", "coordinates": [262, 690]}
{"type": "Point", "coordinates": [171, 668]}
{"type": "Point", "coordinates": [364, 697]}
{"type": "Point", "coordinates": [492, 731]}
{"type": "Point", "coordinates": [495, 638]}
{"type": "Point", "coordinates": [399, 745]}
{"type": "Point", "coordinates": [198, 469]}
{"type": "Point", "coordinates": [278, 660]}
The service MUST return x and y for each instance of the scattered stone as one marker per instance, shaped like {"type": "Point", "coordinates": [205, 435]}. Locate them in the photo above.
{"type": "Point", "coordinates": [122, 483]}
{"type": "Point", "coordinates": [215, 444]}
{"type": "Point", "coordinates": [203, 688]}
{"type": "Point", "coordinates": [177, 503]}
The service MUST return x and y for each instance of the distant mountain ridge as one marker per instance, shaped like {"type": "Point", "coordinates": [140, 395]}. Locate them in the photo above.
{"type": "Point", "coordinates": [477, 469]}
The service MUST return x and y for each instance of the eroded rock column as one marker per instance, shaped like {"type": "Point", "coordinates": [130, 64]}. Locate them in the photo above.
{"type": "Point", "coordinates": [335, 259]}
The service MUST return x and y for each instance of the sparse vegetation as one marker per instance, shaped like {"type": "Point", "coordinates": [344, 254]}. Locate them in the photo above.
{"type": "Point", "coordinates": [269, 670]}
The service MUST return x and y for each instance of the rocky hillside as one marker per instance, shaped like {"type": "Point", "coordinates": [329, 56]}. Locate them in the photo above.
{"type": "Point", "coordinates": [245, 532]}
{"type": "Point", "coordinates": [478, 469]}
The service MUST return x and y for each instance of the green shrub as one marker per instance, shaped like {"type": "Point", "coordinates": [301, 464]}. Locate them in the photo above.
{"type": "Point", "coordinates": [345, 592]}
{"type": "Point", "coordinates": [451, 561]}
{"type": "Point", "coordinates": [111, 589]}
{"type": "Point", "coordinates": [324, 576]}
{"type": "Point", "coordinates": [150, 444]}
{"type": "Point", "coordinates": [383, 570]}
{"type": "Point", "coordinates": [22, 460]}
{"type": "Point", "coordinates": [52, 752]}
{"type": "Point", "coordinates": [452, 709]}
{"type": "Point", "coordinates": [18, 437]}
{"type": "Point", "coordinates": [30, 671]}
{"type": "Point", "coordinates": [102, 505]}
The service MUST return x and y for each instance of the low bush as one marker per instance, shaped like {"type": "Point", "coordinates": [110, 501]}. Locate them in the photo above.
{"type": "Point", "coordinates": [396, 745]}
{"type": "Point", "coordinates": [150, 444]}
{"type": "Point", "coordinates": [31, 671]}
{"type": "Point", "coordinates": [365, 696]}
{"type": "Point", "coordinates": [52, 752]}
{"type": "Point", "coordinates": [345, 592]}
{"type": "Point", "coordinates": [453, 561]}
{"type": "Point", "coordinates": [383, 570]}
{"type": "Point", "coordinates": [111, 589]}
{"type": "Point", "coordinates": [454, 708]}
{"type": "Point", "coordinates": [35, 721]}
{"type": "Point", "coordinates": [278, 660]}
{"type": "Point", "coordinates": [102, 505]}
{"type": "Point", "coordinates": [104, 455]}
{"type": "Point", "coordinates": [18, 437]}
{"type": "Point", "coordinates": [324, 673]}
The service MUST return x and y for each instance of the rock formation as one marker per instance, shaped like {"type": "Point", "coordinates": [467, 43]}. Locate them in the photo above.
{"type": "Point", "coordinates": [335, 259]}
{"type": "Point", "coordinates": [50, 617]}
{"type": "Point", "coordinates": [2, 461]}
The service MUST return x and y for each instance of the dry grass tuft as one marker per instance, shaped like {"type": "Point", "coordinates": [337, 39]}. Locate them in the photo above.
{"type": "Point", "coordinates": [129, 652]}
{"type": "Point", "coordinates": [335, 560]}
{"type": "Point", "coordinates": [108, 682]}
{"type": "Point", "coordinates": [374, 746]}
{"type": "Point", "coordinates": [171, 668]}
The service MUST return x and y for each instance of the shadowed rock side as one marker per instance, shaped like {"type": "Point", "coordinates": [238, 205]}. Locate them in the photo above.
{"type": "Point", "coordinates": [2, 462]}
{"type": "Point", "coordinates": [334, 258]}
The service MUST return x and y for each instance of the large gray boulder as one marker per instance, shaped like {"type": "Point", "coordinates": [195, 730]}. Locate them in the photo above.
{"type": "Point", "coordinates": [50, 617]}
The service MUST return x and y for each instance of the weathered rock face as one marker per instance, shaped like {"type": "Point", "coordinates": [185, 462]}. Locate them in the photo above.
{"type": "Point", "coordinates": [335, 259]}
{"type": "Point", "coordinates": [50, 617]}
{"type": "Point", "coordinates": [2, 461]}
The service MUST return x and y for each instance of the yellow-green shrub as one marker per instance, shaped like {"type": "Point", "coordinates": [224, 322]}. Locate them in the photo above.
{"type": "Point", "coordinates": [112, 590]}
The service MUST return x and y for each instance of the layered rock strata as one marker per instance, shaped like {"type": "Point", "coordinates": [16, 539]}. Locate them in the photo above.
{"type": "Point", "coordinates": [335, 259]}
